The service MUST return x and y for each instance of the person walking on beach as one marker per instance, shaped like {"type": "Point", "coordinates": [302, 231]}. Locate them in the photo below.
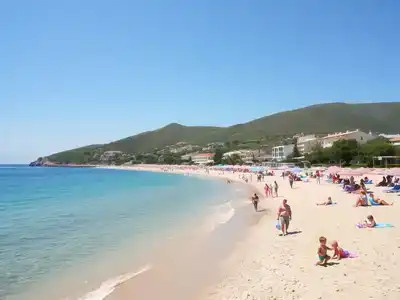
{"type": "Point", "coordinates": [255, 200]}
{"type": "Point", "coordinates": [318, 177]}
{"type": "Point", "coordinates": [276, 188]}
{"type": "Point", "coordinates": [284, 216]}
{"type": "Point", "coordinates": [291, 179]}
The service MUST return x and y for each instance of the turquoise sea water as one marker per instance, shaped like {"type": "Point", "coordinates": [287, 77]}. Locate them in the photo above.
{"type": "Point", "coordinates": [64, 232]}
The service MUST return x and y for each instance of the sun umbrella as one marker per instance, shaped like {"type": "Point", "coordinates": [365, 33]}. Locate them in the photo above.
{"type": "Point", "coordinates": [334, 169]}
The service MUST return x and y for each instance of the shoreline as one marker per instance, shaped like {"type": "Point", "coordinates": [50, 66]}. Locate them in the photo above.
{"type": "Point", "coordinates": [265, 265]}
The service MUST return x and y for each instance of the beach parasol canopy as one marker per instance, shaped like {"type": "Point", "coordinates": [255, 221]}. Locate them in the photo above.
{"type": "Point", "coordinates": [350, 172]}
{"type": "Point", "coordinates": [296, 170]}
{"type": "Point", "coordinates": [334, 169]}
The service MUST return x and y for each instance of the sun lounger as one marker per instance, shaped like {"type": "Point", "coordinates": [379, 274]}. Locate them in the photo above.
{"type": "Point", "coordinates": [395, 189]}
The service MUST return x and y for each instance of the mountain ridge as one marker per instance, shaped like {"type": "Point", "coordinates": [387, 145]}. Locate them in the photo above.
{"type": "Point", "coordinates": [317, 118]}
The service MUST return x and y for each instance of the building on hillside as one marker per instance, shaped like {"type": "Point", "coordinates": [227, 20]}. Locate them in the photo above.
{"type": "Point", "coordinates": [360, 136]}
{"type": "Point", "coordinates": [395, 141]}
{"type": "Point", "coordinates": [306, 143]}
{"type": "Point", "coordinates": [108, 155]}
{"type": "Point", "coordinates": [246, 156]}
{"type": "Point", "coordinates": [281, 152]}
{"type": "Point", "coordinates": [199, 158]}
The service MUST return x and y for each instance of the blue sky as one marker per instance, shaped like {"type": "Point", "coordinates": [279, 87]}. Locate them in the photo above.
{"type": "Point", "coordinates": [80, 72]}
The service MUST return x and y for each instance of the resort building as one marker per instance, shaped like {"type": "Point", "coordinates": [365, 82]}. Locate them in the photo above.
{"type": "Point", "coordinates": [359, 136]}
{"type": "Point", "coordinates": [306, 143]}
{"type": "Point", "coordinates": [199, 158]}
{"type": "Point", "coordinates": [280, 153]}
{"type": "Point", "coordinates": [395, 141]}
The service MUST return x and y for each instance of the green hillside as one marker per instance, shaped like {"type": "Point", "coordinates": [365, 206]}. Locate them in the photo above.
{"type": "Point", "coordinates": [322, 118]}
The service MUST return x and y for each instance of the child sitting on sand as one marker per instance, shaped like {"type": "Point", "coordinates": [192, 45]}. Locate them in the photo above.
{"type": "Point", "coordinates": [329, 202]}
{"type": "Point", "coordinates": [322, 252]}
{"type": "Point", "coordinates": [369, 222]}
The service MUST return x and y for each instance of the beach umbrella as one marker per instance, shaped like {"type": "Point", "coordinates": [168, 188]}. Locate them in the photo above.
{"type": "Point", "coordinates": [296, 170]}
{"type": "Point", "coordinates": [334, 169]}
{"type": "Point", "coordinates": [349, 172]}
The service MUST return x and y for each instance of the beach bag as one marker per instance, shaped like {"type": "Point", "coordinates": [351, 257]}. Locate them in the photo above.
{"type": "Point", "coordinates": [278, 225]}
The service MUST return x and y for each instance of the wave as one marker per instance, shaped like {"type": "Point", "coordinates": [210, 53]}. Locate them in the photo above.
{"type": "Point", "coordinates": [107, 287]}
{"type": "Point", "coordinates": [222, 214]}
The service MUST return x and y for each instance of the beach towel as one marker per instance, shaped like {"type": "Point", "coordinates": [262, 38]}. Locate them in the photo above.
{"type": "Point", "coordinates": [349, 254]}
{"type": "Point", "coordinates": [368, 181]}
{"type": "Point", "coordinates": [378, 225]}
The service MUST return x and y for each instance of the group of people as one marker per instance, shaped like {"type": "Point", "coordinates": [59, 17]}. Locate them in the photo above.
{"type": "Point", "coordinates": [271, 190]}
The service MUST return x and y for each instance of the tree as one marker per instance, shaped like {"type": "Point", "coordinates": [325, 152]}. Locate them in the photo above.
{"type": "Point", "coordinates": [376, 147]}
{"type": "Point", "coordinates": [218, 156]}
{"type": "Point", "coordinates": [345, 151]}
{"type": "Point", "coordinates": [296, 152]}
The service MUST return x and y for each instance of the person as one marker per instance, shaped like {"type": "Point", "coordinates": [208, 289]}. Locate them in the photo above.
{"type": "Point", "coordinates": [318, 176]}
{"type": "Point", "coordinates": [283, 174]}
{"type": "Point", "coordinates": [329, 202]}
{"type": "Point", "coordinates": [255, 200]}
{"type": "Point", "coordinates": [377, 201]}
{"type": "Point", "coordinates": [284, 216]}
{"type": "Point", "coordinates": [339, 252]}
{"type": "Point", "coordinates": [267, 190]}
{"type": "Point", "coordinates": [323, 252]}
{"type": "Point", "coordinates": [383, 182]}
{"type": "Point", "coordinates": [276, 188]}
{"type": "Point", "coordinates": [368, 223]}
{"type": "Point", "coordinates": [362, 200]}
{"type": "Point", "coordinates": [291, 179]}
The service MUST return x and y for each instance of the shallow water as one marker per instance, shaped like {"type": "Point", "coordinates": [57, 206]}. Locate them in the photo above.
{"type": "Point", "coordinates": [79, 233]}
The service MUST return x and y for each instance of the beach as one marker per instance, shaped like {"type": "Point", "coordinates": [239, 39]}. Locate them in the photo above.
{"type": "Point", "coordinates": [265, 265]}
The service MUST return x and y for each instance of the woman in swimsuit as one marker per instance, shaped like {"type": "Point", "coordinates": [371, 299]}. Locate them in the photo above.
{"type": "Point", "coordinates": [284, 216]}
{"type": "Point", "coordinates": [255, 200]}
{"type": "Point", "coordinates": [362, 200]}
{"type": "Point", "coordinates": [377, 201]}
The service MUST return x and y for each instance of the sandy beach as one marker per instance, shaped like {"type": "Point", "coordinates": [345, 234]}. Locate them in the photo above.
{"type": "Point", "coordinates": [265, 265]}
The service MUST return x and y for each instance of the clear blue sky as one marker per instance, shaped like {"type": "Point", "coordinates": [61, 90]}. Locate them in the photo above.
{"type": "Point", "coordinates": [76, 72]}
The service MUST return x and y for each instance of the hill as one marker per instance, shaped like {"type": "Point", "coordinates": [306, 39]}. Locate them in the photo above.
{"type": "Point", "coordinates": [321, 118]}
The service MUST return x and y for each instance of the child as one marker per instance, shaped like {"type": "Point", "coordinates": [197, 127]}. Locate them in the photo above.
{"type": "Point", "coordinates": [329, 202]}
{"type": "Point", "coordinates": [339, 252]}
{"type": "Point", "coordinates": [369, 222]}
{"type": "Point", "coordinates": [322, 252]}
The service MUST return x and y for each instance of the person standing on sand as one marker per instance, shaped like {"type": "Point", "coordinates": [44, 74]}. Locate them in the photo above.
{"type": "Point", "coordinates": [291, 179]}
{"type": "Point", "coordinates": [318, 177]}
{"type": "Point", "coordinates": [276, 188]}
{"type": "Point", "coordinates": [284, 216]}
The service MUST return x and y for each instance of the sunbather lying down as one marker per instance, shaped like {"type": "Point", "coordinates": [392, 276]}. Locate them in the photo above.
{"type": "Point", "coordinates": [329, 202]}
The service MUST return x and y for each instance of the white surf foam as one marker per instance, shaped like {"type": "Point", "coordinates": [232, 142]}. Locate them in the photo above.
{"type": "Point", "coordinates": [221, 215]}
{"type": "Point", "coordinates": [107, 287]}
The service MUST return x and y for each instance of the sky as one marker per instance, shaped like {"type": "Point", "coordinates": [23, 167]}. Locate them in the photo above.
{"type": "Point", "coordinates": [76, 72]}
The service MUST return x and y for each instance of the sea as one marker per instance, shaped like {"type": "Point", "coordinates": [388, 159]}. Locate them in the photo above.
{"type": "Point", "coordinates": [79, 233]}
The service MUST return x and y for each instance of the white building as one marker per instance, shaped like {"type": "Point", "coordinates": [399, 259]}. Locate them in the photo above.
{"type": "Point", "coordinates": [395, 141]}
{"type": "Point", "coordinates": [359, 136]}
{"type": "Point", "coordinates": [245, 155]}
{"type": "Point", "coordinates": [200, 158]}
{"type": "Point", "coordinates": [306, 143]}
{"type": "Point", "coordinates": [280, 153]}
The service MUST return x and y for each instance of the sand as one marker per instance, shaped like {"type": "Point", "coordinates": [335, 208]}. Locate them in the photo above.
{"type": "Point", "coordinates": [265, 265]}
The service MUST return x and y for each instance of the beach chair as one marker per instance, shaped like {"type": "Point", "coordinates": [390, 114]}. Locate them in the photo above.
{"type": "Point", "coordinates": [395, 189]}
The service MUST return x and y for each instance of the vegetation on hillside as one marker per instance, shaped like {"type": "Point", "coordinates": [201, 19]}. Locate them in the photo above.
{"type": "Point", "coordinates": [324, 118]}
{"type": "Point", "coordinates": [346, 152]}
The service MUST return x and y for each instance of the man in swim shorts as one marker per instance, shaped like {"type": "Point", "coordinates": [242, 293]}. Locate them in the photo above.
{"type": "Point", "coordinates": [284, 216]}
